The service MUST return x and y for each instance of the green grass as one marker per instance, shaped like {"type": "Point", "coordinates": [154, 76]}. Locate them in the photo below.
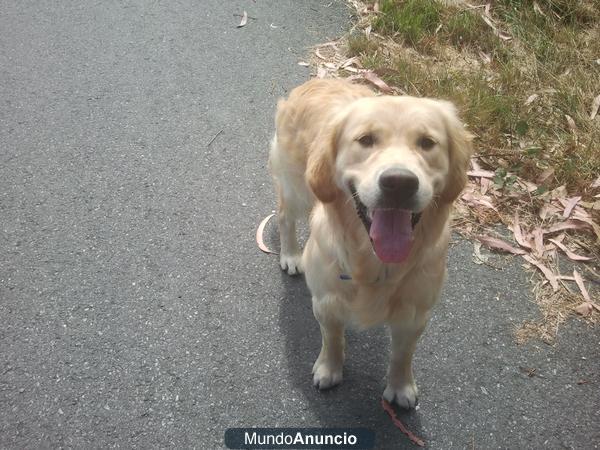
{"type": "Point", "coordinates": [411, 19]}
{"type": "Point", "coordinates": [553, 54]}
{"type": "Point", "coordinates": [359, 44]}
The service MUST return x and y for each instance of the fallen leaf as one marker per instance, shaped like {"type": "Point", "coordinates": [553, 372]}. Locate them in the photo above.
{"type": "Point", "coordinates": [531, 99]}
{"type": "Point", "coordinates": [565, 277]}
{"type": "Point", "coordinates": [352, 61]}
{"type": "Point", "coordinates": [547, 272]}
{"type": "Point", "coordinates": [318, 54]}
{"type": "Point", "coordinates": [552, 210]}
{"type": "Point", "coordinates": [488, 20]}
{"type": "Point", "coordinates": [321, 72]}
{"type": "Point", "coordinates": [595, 107]}
{"type": "Point", "coordinates": [593, 225]}
{"type": "Point", "coordinates": [569, 253]}
{"type": "Point", "coordinates": [581, 286]}
{"type": "Point", "coordinates": [545, 175]}
{"type": "Point", "coordinates": [475, 164]}
{"type": "Point", "coordinates": [355, 77]}
{"type": "Point", "coordinates": [388, 409]}
{"type": "Point", "coordinates": [244, 20]}
{"type": "Point", "coordinates": [483, 201]}
{"type": "Point", "coordinates": [567, 225]}
{"type": "Point", "coordinates": [538, 241]}
{"type": "Point", "coordinates": [487, 59]}
{"type": "Point", "coordinates": [479, 258]}
{"type": "Point", "coordinates": [485, 185]}
{"type": "Point", "coordinates": [570, 204]}
{"type": "Point", "coordinates": [584, 309]}
{"type": "Point", "coordinates": [571, 123]}
{"type": "Point", "coordinates": [518, 234]}
{"type": "Point", "coordinates": [368, 31]}
{"type": "Point", "coordinates": [259, 235]}
{"type": "Point", "coordinates": [546, 210]}
{"type": "Point", "coordinates": [481, 173]}
{"type": "Point", "coordinates": [499, 244]}
{"type": "Point", "coordinates": [538, 10]}
{"type": "Point", "coordinates": [529, 187]}
{"type": "Point", "coordinates": [372, 77]}
{"type": "Point", "coordinates": [559, 192]}
{"type": "Point", "coordinates": [580, 213]}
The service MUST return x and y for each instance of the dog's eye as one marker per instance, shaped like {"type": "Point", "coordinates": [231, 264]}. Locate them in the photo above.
{"type": "Point", "coordinates": [366, 140]}
{"type": "Point", "coordinates": [426, 143]}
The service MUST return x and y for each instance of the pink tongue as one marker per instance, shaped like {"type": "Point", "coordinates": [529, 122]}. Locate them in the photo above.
{"type": "Point", "coordinates": [391, 233]}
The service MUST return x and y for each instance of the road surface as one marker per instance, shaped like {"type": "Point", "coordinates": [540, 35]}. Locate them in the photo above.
{"type": "Point", "coordinates": [136, 309]}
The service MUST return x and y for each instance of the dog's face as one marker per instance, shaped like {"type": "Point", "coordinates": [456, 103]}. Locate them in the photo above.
{"type": "Point", "coordinates": [395, 156]}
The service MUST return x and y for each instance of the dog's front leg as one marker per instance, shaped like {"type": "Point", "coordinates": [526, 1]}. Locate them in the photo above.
{"type": "Point", "coordinates": [327, 370]}
{"type": "Point", "coordinates": [401, 386]}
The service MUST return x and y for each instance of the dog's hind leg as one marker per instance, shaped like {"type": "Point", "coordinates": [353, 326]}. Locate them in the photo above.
{"type": "Point", "coordinates": [291, 255]}
{"type": "Point", "coordinates": [294, 201]}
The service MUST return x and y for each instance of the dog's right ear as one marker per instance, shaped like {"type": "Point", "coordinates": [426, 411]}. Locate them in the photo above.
{"type": "Point", "coordinates": [320, 166]}
{"type": "Point", "coordinates": [460, 151]}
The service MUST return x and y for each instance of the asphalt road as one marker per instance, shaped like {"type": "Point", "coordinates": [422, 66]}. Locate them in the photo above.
{"type": "Point", "coordinates": [136, 310]}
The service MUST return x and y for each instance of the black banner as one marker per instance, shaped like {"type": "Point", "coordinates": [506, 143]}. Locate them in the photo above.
{"type": "Point", "coordinates": [299, 438]}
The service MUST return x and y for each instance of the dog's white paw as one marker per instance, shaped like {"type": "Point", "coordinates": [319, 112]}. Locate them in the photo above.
{"type": "Point", "coordinates": [326, 375]}
{"type": "Point", "coordinates": [406, 396]}
{"type": "Point", "coordinates": [292, 264]}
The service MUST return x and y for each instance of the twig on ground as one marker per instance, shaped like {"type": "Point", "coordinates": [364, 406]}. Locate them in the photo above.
{"type": "Point", "coordinates": [213, 139]}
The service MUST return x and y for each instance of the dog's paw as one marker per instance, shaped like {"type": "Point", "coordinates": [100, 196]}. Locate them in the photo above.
{"type": "Point", "coordinates": [406, 396]}
{"type": "Point", "coordinates": [326, 375]}
{"type": "Point", "coordinates": [292, 264]}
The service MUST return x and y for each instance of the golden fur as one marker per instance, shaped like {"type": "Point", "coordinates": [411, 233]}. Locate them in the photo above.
{"type": "Point", "coordinates": [316, 155]}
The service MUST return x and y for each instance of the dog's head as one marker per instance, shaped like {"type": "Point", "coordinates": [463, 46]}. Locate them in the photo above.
{"type": "Point", "coordinates": [396, 156]}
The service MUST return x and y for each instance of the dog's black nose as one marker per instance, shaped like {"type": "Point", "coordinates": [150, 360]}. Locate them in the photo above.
{"type": "Point", "coordinates": [398, 181]}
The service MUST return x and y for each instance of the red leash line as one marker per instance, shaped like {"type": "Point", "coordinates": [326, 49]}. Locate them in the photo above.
{"type": "Point", "coordinates": [388, 408]}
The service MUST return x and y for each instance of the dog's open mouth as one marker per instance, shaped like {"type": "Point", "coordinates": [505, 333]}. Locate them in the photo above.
{"type": "Point", "coordinates": [390, 230]}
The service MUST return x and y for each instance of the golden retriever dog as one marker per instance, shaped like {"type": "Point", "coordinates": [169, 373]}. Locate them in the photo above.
{"type": "Point", "coordinates": [378, 175]}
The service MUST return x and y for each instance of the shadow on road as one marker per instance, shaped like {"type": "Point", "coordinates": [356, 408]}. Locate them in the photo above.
{"type": "Point", "coordinates": [356, 402]}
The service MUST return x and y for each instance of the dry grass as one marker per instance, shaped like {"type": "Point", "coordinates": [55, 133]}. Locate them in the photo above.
{"type": "Point", "coordinates": [555, 308]}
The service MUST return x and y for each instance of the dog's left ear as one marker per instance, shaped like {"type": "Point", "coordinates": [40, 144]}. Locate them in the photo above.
{"type": "Point", "coordinates": [460, 150]}
{"type": "Point", "coordinates": [320, 166]}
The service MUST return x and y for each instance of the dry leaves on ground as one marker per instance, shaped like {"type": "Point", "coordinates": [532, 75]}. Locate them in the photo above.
{"type": "Point", "coordinates": [244, 20]}
{"type": "Point", "coordinates": [543, 226]}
